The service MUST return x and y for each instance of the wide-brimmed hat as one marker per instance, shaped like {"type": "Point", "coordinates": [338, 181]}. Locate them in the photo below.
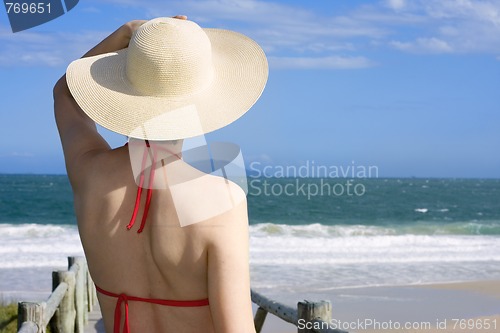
{"type": "Point", "coordinates": [175, 80]}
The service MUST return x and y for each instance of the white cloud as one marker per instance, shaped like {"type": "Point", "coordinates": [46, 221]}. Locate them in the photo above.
{"type": "Point", "coordinates": [289, 31]}
{"type": "Point", "coordinates": [18, 154]}
{"type": "Point", "coordinates": [330, 62]}
{"type": "Point", "coordinates": [444, 26]}
{"type": "Point", "coordinates": [319, 46]}
{"type": "Point", "coordinates": [257, 160]}
{"type": "Point", "coordinates": [424, 45]}
{"type": "Point", "coordinates": [470, 26]}
{"type": "Point", "coordinates": [485, 11]}
{"type": "Point", "coordinates": [28, 48]}
{"type": "Point", "coordinates": [91, 9]}
{"type": "Point", "coordinates": [221, 12]}
{"type": "Point", "coordinates": [44, 49]}
{"type": "Point", "coordinates": [396, 4]}
{"type": "Point", "coordinates": [26, 36]}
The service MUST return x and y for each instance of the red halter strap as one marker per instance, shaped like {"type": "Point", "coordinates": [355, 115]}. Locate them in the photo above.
{"type": "Point", "coordinates": [149, 194]}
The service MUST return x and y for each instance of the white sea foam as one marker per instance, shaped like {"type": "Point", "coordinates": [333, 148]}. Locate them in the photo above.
{"type": "Point", "coordinates": [319, 244]}
{"type": "Point", "coordinates": [36, 245]}
{"type": "Point", "coordinates": [284, 257]}
{"type": "Point", "coordinates": [314, 257]}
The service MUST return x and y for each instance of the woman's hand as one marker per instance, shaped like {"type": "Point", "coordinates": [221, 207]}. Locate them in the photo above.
{"type": "Point", "coordinates": [77, 131]}
{"type": "Point", "coordinates": [118, 40]}
{"type": "Point", "coordinates": [180, 17]}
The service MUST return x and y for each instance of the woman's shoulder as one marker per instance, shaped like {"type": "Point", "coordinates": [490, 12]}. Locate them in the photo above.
{"type": "Point", "coordinates": [209, 201]}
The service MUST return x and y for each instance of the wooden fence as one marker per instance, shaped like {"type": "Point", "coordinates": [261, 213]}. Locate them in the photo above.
{"type": "Point", "coordinates": [67, 308]}
{"type": "Point", "coordinates": [309, 317]}
{"type": "Point", "coordinates": [74, 296]}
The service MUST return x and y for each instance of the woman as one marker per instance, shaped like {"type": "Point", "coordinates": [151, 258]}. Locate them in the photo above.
{"type": "Point", "coordinates": [185, 267]}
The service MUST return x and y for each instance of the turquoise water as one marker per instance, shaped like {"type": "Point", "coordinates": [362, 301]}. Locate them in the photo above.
{"type": "Point", "coordinates": [40, 199]}
{"type": "Point", "coordinates": [429, 206]}
{"type": "Point", "coordinates": [425, 206]}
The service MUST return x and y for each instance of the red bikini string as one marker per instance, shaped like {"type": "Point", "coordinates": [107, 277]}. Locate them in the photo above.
{"type": "Point", "coordinates": [139, 189]}
{"type": "Point", "coordinates": [150, 191]}
{"type": "Point", "coordinates": [123, 299]}
{"type": "Point", "coordinates": [150, 183]}
{"type": "Point", "coordinates": [118, 315]}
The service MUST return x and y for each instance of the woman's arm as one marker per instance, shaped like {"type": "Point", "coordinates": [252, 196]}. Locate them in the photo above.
{"type": "Point", "coordinates": [228, 273]}
{"type": "Point", "coordinates": [78, 133]}
{"type": "Point", "coordinates": [117, 40]}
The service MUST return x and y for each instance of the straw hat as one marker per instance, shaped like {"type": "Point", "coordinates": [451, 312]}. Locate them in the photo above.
{"type": "Point", "coordinates": [175, 80]}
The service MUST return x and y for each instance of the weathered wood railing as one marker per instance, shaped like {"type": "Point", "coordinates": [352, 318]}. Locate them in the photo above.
{"type": "Point", "coordinates": [67, 308]}
{"type": "Point", "coordinates": [74, 296]}
{"type": "Point", "coordinates": [309, 317]}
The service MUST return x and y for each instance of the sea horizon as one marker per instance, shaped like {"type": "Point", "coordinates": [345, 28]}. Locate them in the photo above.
{"type": "Point", "coordinates": [288, 177]}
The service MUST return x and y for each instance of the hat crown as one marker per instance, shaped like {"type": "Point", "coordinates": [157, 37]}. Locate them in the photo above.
{"type": "Point", "coordinates": [169, 57]}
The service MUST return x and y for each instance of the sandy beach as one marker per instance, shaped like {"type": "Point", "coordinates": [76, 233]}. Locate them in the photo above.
{"type": "Point", "coordinates": [448, 307]}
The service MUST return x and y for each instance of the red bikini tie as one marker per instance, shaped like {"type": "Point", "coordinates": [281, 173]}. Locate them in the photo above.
{"type": "Point", "coordinates": [139, 189]}
{"type": "Point", "coordinates": [150, 190]}
{"type": "Point", "coordinates": [123, 298]}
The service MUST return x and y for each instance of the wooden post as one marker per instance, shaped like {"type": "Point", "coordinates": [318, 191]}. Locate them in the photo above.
{"type": "Point", "coordinates": [308, 312]}
{"type": "Point", "coordinates": [91, 292]}
{"type": "Point", "coordinates": [64, 318]}
{"type": "Point", "coordinates": [80, 307]}
{"type": "Point", "coordinates": [260, 317]}
{"type": "Point", "coordinates": [28, 327]}
{"type": "Point", "coordinates": [30, 312]}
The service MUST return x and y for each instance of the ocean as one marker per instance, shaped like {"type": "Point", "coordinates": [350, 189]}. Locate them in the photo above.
{"type": "Point", "coordinates": [306, 234]}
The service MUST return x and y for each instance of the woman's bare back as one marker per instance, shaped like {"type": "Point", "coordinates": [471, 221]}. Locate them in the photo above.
{"type": "Point", "coordinates": [164, 261]}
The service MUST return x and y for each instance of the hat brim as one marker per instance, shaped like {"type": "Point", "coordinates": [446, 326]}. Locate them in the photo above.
{"type": "Point", "coordinates": [101, 88]}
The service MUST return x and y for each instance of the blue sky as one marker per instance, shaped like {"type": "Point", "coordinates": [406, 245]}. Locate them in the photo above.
{"type": "Point", "coordinates": [411, 87]}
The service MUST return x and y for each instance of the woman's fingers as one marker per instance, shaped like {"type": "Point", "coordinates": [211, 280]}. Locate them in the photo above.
{"type": "Point", "coordinates": [133, 25]}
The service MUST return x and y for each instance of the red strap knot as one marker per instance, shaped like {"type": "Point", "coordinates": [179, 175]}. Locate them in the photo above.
{"type": "Point", "coordinates": [122, 298]}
